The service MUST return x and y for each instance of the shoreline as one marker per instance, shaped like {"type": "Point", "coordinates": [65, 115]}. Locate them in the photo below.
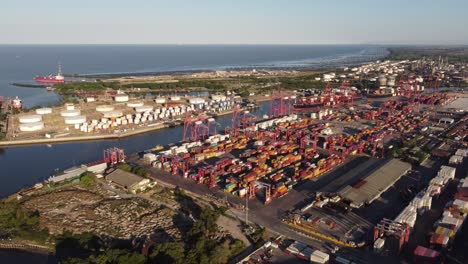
{"type": "Point", "coordinates": [227, 68]}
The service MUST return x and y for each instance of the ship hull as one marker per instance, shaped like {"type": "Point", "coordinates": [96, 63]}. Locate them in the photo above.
{"type": "Point", "coordinates": [48, 80]}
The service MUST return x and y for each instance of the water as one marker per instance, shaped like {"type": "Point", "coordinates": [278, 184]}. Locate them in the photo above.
{"type": "Point", "coordinates": [26, 165]}
{"type": "Point", "coordinates": [21, 63]}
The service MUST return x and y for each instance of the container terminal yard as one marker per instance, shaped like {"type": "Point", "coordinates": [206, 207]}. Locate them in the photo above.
{"type": "Point", "coordinates": [340, 177]}
{"type": "Point", "coordinates": [322, 176]}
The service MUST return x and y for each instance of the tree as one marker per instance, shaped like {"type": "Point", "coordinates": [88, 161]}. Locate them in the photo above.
{"type": "Point", "coordinates": [88, 180]}
{"type": "Point", "coordinates": [221, 253]}
{"type": "Point", "coordinates": [124, 167]}
{"type": "Point", "coordinates": [169, 252]}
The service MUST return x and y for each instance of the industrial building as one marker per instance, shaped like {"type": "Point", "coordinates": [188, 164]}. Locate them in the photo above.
{"type": "Point", "coordinates": [72, 174]}
{"type": "Point", "coordinates": [127, 180]}
{"type": "Point", "coordinates": [370, 187]}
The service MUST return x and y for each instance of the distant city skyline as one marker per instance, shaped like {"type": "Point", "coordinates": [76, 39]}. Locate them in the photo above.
{"type": "Point", "coordinates": [413, 22]}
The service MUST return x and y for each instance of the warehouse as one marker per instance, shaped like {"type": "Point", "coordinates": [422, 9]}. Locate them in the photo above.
{"type": "Point", "coordinates": [69, 175]}
{"type": "Point", "coordinates": [127, 180]}
{"type": "Point", "coordinates": [370, 187]}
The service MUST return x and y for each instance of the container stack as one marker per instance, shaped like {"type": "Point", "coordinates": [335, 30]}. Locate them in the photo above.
{"type": "Point", "coordinates": [458, 157]}
{"type": "Point", "coordinates": [452, 219]}
{"type": "Point", "coordinates": [407, 216]}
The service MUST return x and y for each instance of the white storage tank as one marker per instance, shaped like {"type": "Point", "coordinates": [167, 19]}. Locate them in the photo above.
{"type": "Point", "coordinates": [44, 111]}
{"type": "Point", "coordinates": [104, 108]}
{"type": "Point", "coordinates": [144, 108]}
{"type": "Point", "coordinates": [71, 120]}
{"type": "Point", "coordinates": [160, 100]}
{"type": "Point", "coordinates": [72, 112]}
{"type": "Point", "coordinates": [28, 127]}
{"type": "Point", "coordinates": [382, 80]}
{"type": "Point", "coordinates": [218, 97]}
{"type": "Point", "coordinates": [30, 119]}
{"type": "Point", "coordinates": [121, 97]}
{"type": "Point", "coordinates": [69, 106]}
{"type": "Point", "coordinates": [135, 104]}
{"type": "Point", "coordinates": [113, 114]}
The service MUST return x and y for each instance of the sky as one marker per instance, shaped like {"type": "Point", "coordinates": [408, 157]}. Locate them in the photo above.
{"type": "Point", "coordinates": [234, 22]}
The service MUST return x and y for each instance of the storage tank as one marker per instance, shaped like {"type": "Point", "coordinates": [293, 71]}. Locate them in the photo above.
{"type": "Point", "coordinates": [30, 119]}
{"type": "Point", "coordinates": [73, 112]}
{"type": "Point", "coordinates": [44, 111]}
{"type": "Point", "coordinates": [391, 81]}
{"type": "Point", "coordinates": [104, 108]}
{"type": "Point", "coordinates": [218, 97]}
{"type": "Point", "coordinates": [121, 97]}
{"type": "Point", "coordinates": [69, 106]}
{"type": "Point", "coordinates": [144, 108]}
{"type": "Point", "coordinates": [160, 100]}
{"type": "Point", "coordinates": [31, 126]}
{"type": "Point", "coordinates": [135, 104]}
{"type": "Point", "coordinates": [71, 120]}
{"type": "Point", "coordinates": [382, 80]}
{"type": "Point", "coordinates": [196, 100]}
{"type": "Point", "coordinates": [112, 114]}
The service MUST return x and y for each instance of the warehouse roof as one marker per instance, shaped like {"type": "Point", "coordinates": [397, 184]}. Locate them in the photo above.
{"type": "Point", "coordinates": [375, 183]}
{"type": "Point", "coordinates": [68, 174]}
{"type": "Point", "coordinates": [124, 178]}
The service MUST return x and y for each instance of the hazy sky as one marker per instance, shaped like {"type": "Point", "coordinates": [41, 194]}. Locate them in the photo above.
{"type": "Point", "coordinates": [235, 21]}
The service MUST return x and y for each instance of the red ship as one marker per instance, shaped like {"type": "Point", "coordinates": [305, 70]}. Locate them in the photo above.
{"type": "Point", "coordinates": [51, 79]}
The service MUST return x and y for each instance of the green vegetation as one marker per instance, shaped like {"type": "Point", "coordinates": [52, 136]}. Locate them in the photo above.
{"type": "Point", "coordinates": [138, 170]}
{"type": "Point", "coordinates": [141, 171]}
{"type": "Point", "coordinates": [21, 224]}
{"type": "Point", "coordinates": [454, 54]}
{"type": "Point", "coordinates": [257, 236]}
{"type": "Point", "coordinates": [421, 156]}
{"type": "Point", "coordinates": [213, 85]}
{"type": "Point", "coordinates": [89, 248]}
{"type": "Point", "coordinates": [124, 167]}
{"type": "Point", "coordinates": [88, 180]}
{"type": "Point", "coordinates": [302, 82]}
{"type": "Point", "coordinates": [70, 88]}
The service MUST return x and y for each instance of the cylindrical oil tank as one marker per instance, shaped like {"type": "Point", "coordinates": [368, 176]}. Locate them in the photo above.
{"type": "Point", "coordinates": [73, 112]}
{"type": "Point", "coordinates": [382, 80]}
{"type": "Point", "coordinates": [391, 81]}
{"type": "Point", "coordinates": [160, 100]}
{"type": "Point", "coordinates": [30, 119]}
{"type": "Point", "coordinates": [112, 114]}
{"type": "Point", "coordinates": [104, 108]}
{"type": "Point", "coordinates": [144, 108]}
{"type": "Point", "coordinates": [69, 106]}
{"type": "Point", "coordinates": [31, 126]}
{"type": "Point", "coordinates": [196, 100]}
{"type": "Point", "coordinates": [121, 98]}
{"type": "Point", "coordinates": [135, 104]}
{"type": "Point", "coordinates": [44, 111]}
{"type": "Point", "coordinates": [71, 120]}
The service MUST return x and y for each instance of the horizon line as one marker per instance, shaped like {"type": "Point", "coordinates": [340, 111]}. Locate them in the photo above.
{"type": "Point", "coordinates": [240, 44]}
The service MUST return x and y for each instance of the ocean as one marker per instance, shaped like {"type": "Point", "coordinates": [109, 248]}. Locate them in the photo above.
{"type": "Point", "coordinates": [26, 165]}
{"type": "Point", "coordinates": [21, 63]}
